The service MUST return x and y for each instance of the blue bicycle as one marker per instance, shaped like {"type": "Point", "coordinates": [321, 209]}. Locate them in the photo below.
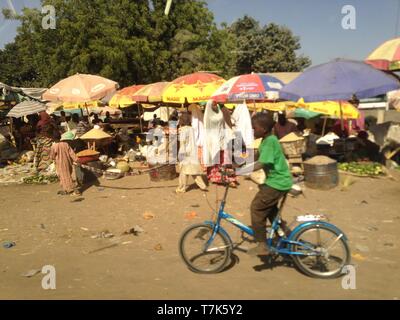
{"type": "Point", "coordinates": [318, 248]}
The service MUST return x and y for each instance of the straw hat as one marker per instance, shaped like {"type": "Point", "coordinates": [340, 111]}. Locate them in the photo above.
{"type": "Point", "coordinates": [95, 134]}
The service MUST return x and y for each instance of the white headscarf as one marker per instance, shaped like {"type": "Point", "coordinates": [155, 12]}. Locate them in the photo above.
{"type": "Point", "coordinates": [242, 119]}
{"type": "Point", "coordinates": [215, 135]}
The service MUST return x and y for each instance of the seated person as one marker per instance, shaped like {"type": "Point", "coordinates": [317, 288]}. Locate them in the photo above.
{"type": "Point", "coordinates": [366, 149]}
{"type": "Point", "coordinates": [283, 127]}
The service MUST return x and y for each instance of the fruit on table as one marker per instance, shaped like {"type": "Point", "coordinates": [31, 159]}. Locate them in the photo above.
{"type": "Point", "coordinates": [362, 168]}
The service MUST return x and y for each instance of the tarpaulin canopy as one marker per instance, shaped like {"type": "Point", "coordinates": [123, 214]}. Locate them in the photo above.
{"type": "Point", "coordinates": [35, 93]}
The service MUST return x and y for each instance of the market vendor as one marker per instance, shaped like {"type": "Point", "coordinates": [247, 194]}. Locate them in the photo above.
{"type": "Point", "coordinates": [73, 123]}
{"type": "Point", "coordinates": [107, 119]}
{"type": "Point", "coordinates": [366, 149]}
{"type": "Point", "coordinates": [64, 158]}
{"type": "Point", "coordinates": [96, 120]}
{"type": "Point", "coordinates": [46, 124]}
{"type": "Point", "coordinates": [47, 133]}
{"type": "Point", "coordinates": [82, 127]}
{"type": "Point", "coordinates": [283, 127]}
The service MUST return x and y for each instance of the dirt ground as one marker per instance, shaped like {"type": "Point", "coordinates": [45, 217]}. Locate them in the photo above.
{"type": "Point", "coordinates": [55, 230]}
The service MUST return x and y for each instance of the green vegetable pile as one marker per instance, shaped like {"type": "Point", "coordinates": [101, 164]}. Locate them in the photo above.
{"type": "Point", "coordinates": [362, 168]}
{"type": "Point", "coordinates": [40, 179]}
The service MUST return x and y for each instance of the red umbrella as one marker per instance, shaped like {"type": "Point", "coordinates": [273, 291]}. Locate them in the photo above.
{"type": "Point", "coordinates": [249, 87]}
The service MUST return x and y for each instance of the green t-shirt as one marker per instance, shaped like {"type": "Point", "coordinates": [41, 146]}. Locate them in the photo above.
{"type": "Point", "coordinates": [271, 156]}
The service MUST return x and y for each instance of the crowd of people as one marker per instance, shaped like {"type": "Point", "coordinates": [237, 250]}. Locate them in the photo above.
{"type": "Point", "coordinates": [205, 141]}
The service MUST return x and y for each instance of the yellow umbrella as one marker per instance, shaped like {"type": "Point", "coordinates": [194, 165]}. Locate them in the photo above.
{"type": "Point", "coordinates": [331, 108]}
{"type": "Point", "coordinates": [79, 105]}
{"type": "Point", "coordinates": [192, 88]}
{"type": "Point", "coordinates": [277, 106]}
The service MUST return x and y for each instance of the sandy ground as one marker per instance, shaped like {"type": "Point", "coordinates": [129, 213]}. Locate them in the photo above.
{"type": "Point", "coordinates": [53, 230]}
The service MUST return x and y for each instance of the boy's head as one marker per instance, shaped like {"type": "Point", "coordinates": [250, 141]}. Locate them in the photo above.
{"type": "Point", "coordinates": [262, 125]}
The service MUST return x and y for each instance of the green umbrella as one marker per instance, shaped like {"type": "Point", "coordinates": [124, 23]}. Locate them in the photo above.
{"type": "Point", "coordinates": [304, 113]}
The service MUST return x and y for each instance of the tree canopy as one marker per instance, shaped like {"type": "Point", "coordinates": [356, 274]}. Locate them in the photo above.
{"type": "Point", "coordinates": [133, 42]}
{"type": "Point", "coordinates": [271, 48]}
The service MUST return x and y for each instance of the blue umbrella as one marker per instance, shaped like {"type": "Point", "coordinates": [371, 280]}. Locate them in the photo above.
{"type": "Point", "coordinates": [339, 80]}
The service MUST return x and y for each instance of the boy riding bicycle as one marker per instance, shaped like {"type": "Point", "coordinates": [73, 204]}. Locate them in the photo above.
{"type": "Point", "coordinates": [278, 182]}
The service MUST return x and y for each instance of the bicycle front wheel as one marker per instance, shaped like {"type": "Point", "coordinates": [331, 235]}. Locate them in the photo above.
{"type": "Point", "coordinates": [201, 255]}
{"type": "Point", "coordinates": [324, 252]}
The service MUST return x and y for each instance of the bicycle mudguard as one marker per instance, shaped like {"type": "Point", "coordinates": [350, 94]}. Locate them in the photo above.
{"type": "Point", "coordinates": [311, 223]}
{"type": "Point", "coordinates": [220, 229]}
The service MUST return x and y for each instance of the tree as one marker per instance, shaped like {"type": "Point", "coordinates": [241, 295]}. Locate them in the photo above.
{"type": "Point", "coordinates": [127, 41]}
{"type": "Point", "coordinates": [271, 48]}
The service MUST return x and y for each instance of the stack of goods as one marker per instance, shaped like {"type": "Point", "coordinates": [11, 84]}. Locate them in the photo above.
{"type": "Point", "coordinates": [88, 155]}
{"type": "Point", "coordinates": [293, 145]}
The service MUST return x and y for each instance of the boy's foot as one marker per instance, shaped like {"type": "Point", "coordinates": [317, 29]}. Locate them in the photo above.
{"type": "Point", "coordinates": [63, 193]}
{"type": "Point", "coordinates": [76, 193]}
{"type": "Point", "coordinates": [260, 250]}
{"type": "Point", "coordinates": [285, 228]}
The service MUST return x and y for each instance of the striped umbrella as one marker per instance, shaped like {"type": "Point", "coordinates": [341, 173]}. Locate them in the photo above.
{"type": "Point", "coordinates": [26, 108]}
{"type": "Point", "coordinates": [386, 56]}
{"type": "Point", "coordinates": [124, 98]}
{"type": "Point", "coordinates": [249, 87]}
{"type": "Point", "coordinates": [151, 93]}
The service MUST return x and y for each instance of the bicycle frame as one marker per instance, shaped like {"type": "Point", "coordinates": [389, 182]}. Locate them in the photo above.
{"type": "Point", "coordinates": [281, 247]}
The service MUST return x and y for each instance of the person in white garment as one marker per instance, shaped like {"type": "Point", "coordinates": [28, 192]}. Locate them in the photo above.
{"type": "Point", "coordinates": [217, 147]}
{"type": "Point", "coordinates": [189, 164]}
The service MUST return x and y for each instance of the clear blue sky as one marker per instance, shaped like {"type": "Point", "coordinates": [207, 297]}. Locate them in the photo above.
{"type": "Point", "coordinates": [317, 22]}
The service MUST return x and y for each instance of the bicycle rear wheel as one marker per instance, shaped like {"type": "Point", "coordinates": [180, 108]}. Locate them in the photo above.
{"type": "Point", "coordinates": [332, 252]}
{"type": "Point", "coordinates": [192, 249]}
